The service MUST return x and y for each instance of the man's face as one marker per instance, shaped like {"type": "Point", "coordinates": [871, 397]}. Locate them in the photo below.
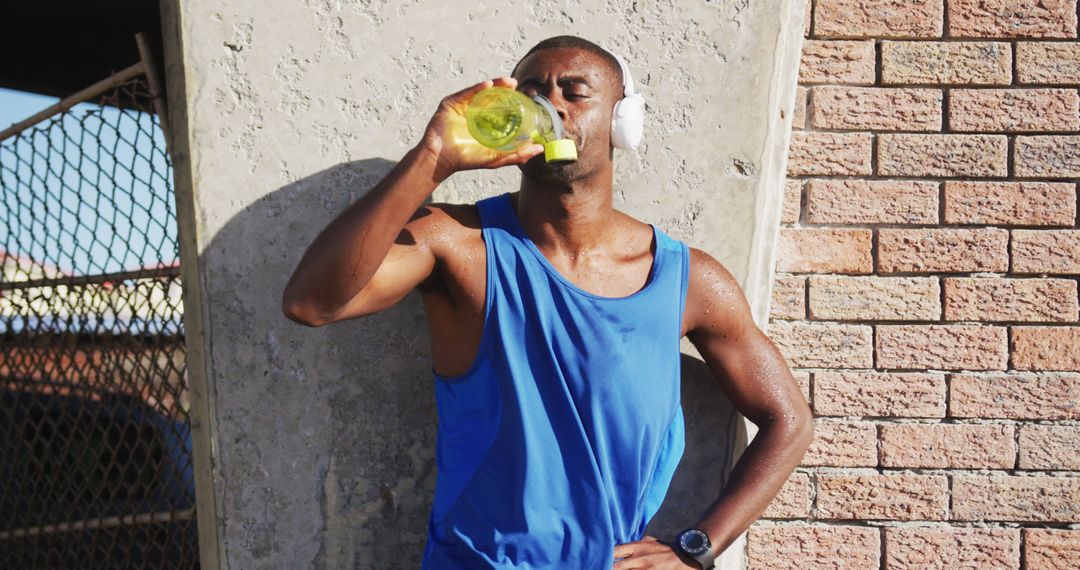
{"type": "Point", "coordinates": [583, 88]}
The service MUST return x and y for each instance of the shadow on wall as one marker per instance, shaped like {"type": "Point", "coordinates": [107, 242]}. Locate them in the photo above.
{"type": "Point", "coordinates": [353, 405]}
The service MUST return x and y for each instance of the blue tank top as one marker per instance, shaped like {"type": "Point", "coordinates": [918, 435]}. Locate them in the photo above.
{"type": "Point", "coordinates": [561, 439]}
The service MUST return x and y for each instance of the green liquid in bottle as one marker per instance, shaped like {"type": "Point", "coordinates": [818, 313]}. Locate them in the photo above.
{"type": "Point", "coordinates": [496, 126]}
{"type": "Point", "coordinates": [503, 119]}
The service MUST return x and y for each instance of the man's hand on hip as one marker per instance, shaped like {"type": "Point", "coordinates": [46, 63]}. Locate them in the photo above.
{"type": "Point", "coordinates": [652, 554]}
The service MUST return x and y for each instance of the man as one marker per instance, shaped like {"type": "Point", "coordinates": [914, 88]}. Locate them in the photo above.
{"type": "Point", "coordinates": [555, 324]}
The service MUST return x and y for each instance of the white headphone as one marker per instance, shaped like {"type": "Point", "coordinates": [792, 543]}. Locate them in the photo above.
{"type": "Point", "coordinates": [628, 116]}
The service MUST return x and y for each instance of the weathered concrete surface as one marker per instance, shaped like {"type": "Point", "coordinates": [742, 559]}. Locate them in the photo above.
{"type": "Point", "coordinates": [315, 446]}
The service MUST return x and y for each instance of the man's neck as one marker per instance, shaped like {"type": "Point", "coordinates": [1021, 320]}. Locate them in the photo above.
{"type": "Point", "coordinates": [571, 220]}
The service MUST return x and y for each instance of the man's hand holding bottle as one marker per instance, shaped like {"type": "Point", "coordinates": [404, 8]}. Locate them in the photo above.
{"type": "Point", "coordinates": [447, 140]}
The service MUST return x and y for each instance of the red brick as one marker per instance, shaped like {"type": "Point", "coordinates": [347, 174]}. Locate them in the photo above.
{"type": "Point", "coordinates": [872, 298]}
{"type": "Point", "coordinates": [1049, 447]}
{"type": "Point", "coordinates": [792, 201]}
{"type": "Point", "coordinates": [941, 347]}
{"type": "Point", "coordinates": [1046, 251]}
{"type": "Point", "coordinates": [1010, 203]}
{"type": "Point", "coordinates": [943, 548]}
{"type": "Point", "coordinates": [808, 7]}
{"type": "Point", "coordinates": [856, 201]}
{"type": "Point", "coordinates": [1013, 110]}
{"type": "Point", "coordinates": [1020, 396]}
{"type": "Point", "coordinates": [796, 547]}
{"type": "Point", "coordinates": [903, 154]}
{"type": "Point", "coordinates": [946, 63]}
{"type": "Point", "coordinates": [878, 18]}
{"type": "Point", "coordinates": [882, 497]}
{"type": "Point", "coordinates": [1020, 499]}
{"type": "Point", "coordinates": [875, 108]}
{"type": "Point", "coordinates": [898, 394]}
{"type": "Point", "coordinates": [1051, 548]}
{"type": "Point", "coordinates": [1012, 18]}
{"type": "Point", "coordinates": [798, 120]}
{"type": "Point", "coordinates": [942, 249]}
{"type": "Point", "coordinates": [793, 499]}
{"type": "Point", "coordinates": [830, 345]}
{"type": "Point", "coordinates": [788, 298]}
{"type": "Point", "coordinates": [802, 377]}
{"type": "Point", "coordinates": [1046, 348]}
{"type": "Point", "coordinates": [824, 250]}
{"type": "Point", "coordinates": [825, 61]}
{"type": "Point", "coordinates": [952, 446]}
{"type": "Point", "coordinates": [1050, 156]}
{"type": "Point", "coordinates": [817, 154]}
{"type": "Point", "coordinates": [842, 444]}
{"type": "Point", "coordinates": [1048, 63]}
{"type": "Point", "coordinates": [1009, 299]}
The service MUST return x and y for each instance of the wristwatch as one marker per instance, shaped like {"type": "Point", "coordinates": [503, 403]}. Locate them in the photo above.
{"type": "Point", "coordinates": [694, 543]}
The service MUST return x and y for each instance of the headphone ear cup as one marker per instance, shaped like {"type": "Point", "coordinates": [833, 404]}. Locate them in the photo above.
{"type": "Point", "coordinates": [627, 122]}
{"type": "Point", "coordinates": [617, 138]}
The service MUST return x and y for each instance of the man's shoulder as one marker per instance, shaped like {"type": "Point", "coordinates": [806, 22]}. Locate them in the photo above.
{"type": "Point", "coordinates": [708, 273]}
{"type": "Point", "coordinates": [634, 225]}
{"type": "Point", "coordinates": [715, 299]}
{"type": "Point", "coordinates": [453, 215]}
{"type": "Point", "coordinates": [442, 227]}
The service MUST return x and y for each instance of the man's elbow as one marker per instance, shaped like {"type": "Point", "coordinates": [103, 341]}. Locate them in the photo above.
{"type": "Point", "coordinates": [801, 420]}
{"type": "Point", "coordinates": [301, 313]}
{"type": "Point", "coordinates": [300, 316]}
{"type": "Point", "coordinates": [802, 428]}
{"type": "Point", "coordinates": [798, 426]}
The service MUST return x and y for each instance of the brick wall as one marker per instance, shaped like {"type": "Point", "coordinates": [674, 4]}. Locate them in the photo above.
{"type": "Point", "coordinates": [926, 290]}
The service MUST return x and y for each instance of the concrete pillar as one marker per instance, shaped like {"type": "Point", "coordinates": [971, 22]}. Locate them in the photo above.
{"type": "Point", "coordinates": [315, 447]}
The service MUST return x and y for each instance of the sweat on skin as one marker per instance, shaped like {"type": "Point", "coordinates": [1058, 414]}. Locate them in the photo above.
{"type": "Point", "coordinates": [389, 243]}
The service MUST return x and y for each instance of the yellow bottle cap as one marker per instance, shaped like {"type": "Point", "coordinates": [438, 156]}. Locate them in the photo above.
{"type": "Point", "coordinates": [562, 150]}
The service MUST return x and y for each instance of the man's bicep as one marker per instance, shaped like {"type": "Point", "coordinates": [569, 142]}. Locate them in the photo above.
{"type": "Point", "coordinates": [751, 370]}
{"type": "Point", "coordinates": [408, 263]}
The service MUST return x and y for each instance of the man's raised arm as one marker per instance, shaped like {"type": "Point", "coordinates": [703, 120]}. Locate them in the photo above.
{"type": "Point", "coordinates": [357, 266]}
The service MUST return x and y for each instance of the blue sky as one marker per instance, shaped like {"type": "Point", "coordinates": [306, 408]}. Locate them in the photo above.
{"type": "Point", "coordinates": [108, 197]}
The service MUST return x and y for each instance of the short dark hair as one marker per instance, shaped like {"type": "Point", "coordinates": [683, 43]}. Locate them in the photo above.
{"type": "Point", "coordinates": [575, 42]}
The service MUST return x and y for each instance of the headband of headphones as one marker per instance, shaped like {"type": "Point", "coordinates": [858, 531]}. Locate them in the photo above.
{"type": "Point", "coordinates": [628, 81]}
{"type": "Point", "coordinates": [628, 116]}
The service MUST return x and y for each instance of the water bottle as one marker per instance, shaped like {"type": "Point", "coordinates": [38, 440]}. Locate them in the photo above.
{"type": "Point", "coordinates": [502, 118]}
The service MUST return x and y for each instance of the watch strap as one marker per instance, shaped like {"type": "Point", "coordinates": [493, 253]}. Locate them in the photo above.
{"type": "Point", "coordinates": [707, 560]}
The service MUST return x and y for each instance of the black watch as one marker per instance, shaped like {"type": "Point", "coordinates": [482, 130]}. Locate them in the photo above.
{"type": "Point", "coordinates": [695, 543]}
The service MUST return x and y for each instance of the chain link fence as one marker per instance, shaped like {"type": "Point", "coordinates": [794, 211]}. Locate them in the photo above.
{"type": "Point", "coordinates": [94, 418]}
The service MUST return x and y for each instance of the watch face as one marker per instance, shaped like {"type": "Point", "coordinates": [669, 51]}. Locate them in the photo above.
{"type": "Point", "coordinates": [694, 541]}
